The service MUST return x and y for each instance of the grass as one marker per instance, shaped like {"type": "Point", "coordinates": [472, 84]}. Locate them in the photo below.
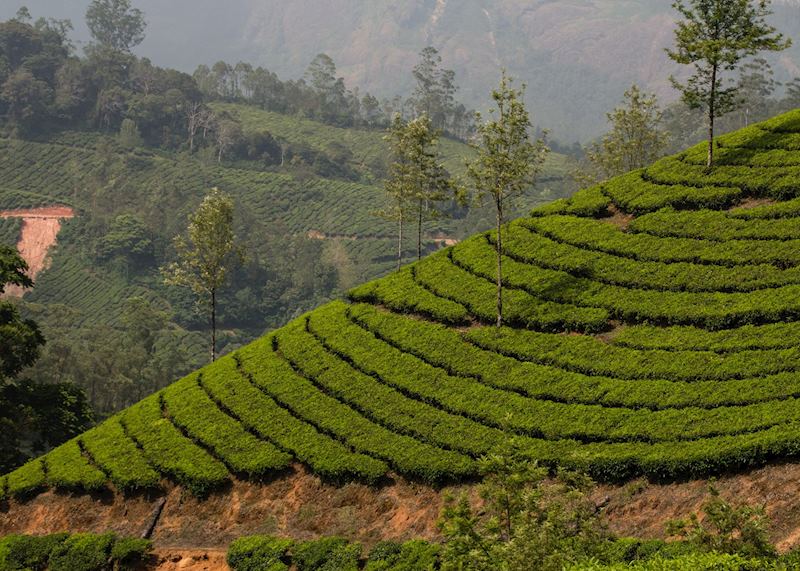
{"type": "Point", "coordinates": [664, 348]}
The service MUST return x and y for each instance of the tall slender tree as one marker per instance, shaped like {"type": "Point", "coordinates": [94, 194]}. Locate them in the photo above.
{"type": "Point", "coordinates": [714, 37]}
{"type": "Point", "coordinates": [417, 181]}
{"type": "Point", "coordinates": [208, 255]}
{"type": "Point", "coordinates": [508, 160]}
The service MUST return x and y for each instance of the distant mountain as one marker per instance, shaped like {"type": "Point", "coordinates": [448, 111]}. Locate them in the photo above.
{"type": "Point", "coordinates": [577, 56]}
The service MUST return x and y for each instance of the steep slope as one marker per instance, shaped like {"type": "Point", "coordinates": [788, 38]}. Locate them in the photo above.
{"type": "Point", "coordinates": [652, 330]}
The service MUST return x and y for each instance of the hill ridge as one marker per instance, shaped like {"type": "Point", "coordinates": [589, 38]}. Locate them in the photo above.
{"type": "Point", "coordinates": [663, 348]}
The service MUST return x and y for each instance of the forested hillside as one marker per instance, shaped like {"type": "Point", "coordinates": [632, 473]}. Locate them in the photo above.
{"type": "Point", "coordinates": [133, 148]}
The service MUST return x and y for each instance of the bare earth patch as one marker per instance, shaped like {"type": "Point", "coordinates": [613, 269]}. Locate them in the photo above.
{"type": "Point", "coordinates": [40, 227]}
{"type": "Point", "coordinates": [753, 203]}
{"type": "Point", "coordinates": [618, 218]}
{"type": "Point", "coordinates": [297, 505]}
{"type": "Point", "coordinates": [189, 559]}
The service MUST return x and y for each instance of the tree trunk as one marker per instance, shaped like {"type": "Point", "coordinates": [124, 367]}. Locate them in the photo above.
{"type": "Point", "coordinates": [419, 232]}
{"type": "Point", "coordinates": [213, 325]}
{"type": "Point", "coordinates": [499, 249]}
{"type": "Point", "coordinates": [712, 100]}
{"type": "Point", "coordinates": [400, 239]}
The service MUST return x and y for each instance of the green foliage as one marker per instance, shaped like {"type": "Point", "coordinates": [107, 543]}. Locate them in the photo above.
{"type": "Point", "coordinates": [417, 182]}
{"type": "Point", "coordinates": [527, 521]}
{"type": "Point", "coordinates": [211, 252]}
{"type": "Point", "coordinates": [449, 275]}
{"type": "Point", "coordinates": [20, 339]}
{"type": "Point", "coordinates": [191, 409]}
{"type": "Point", "coordinates": [590, 202]}
{"type": "Point", "coordinates": [327, 554]}
{"type": "Point", "coordinates": [259, 553]}
{"type": "Point", "coordinates": [168, 450]}
{"type": "Point", "coordinates": [115, 25]}
{"type": "Point", "coordinates": [414, 555]}
{"type": "Point", "coordinates": [507, 162]}
{"type": "Point", "coordinates": [635, 140]}
{"type": "Point", "coordinates": [694, 562]}
{"type": "Point", "coordinates": [727, 528]}
{"type": "Point", "coordinates": [278, 379]}
{"type": "Point", "coordinates": [633, 194]}
{"type": "Point", "coordinates": [26, 552]}
{"type": "Point", "coordinates": [113, 451]}
{"type": "Point", "coordinates": [27, 479]}
{"type": "Point", "coordinates": [82, 551]}
{"type": "Point", "coordinates": [65, 552]}
{"type": "Point", "coordinates": [400, 292]}
{"type": "Point", "coordinates": [660, 344]}
{"type": "Point", "coordinates": [714, 36]}
{"type": "Point", "coordinates": [262, 414]}
{"type": "Point", "coordinates": [130, 550]}
{"type": "Point", "coordinates": [598, 236]}
{"type": "Point", "coordinates": [68, 468]}
{"type": "Point", "coordinates": [9, 231]}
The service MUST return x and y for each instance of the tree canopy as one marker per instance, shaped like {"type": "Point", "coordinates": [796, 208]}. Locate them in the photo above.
{"type": "Point", "coordinates": [115, 24]}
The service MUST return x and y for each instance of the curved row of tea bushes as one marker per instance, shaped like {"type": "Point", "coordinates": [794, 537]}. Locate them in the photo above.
{"type": "Point", "coordinates": [598, 236]}
{"type": "Point", "coordinates": [234, 390]}
{"type": "Point", "coordinates": [538, 250]}
{"type": "Point", "coordinates": [191, 409]}
{"type": "Point", "coordinates": [448, 350]}
{"type": "Point", "coordinates": [407, 455]}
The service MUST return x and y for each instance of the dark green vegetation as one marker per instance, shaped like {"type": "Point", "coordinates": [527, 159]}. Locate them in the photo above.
{"type": "Point", "coordinates": [65, 552]}
{"type": "Point", "coordinates": [264, 553]}
{"type": "Point", "coordinates": [680, 358]}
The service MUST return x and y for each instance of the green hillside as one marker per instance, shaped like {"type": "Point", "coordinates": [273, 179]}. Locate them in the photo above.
{"type": "Point", "coordinates": [653, 325]}
{"type": "Point", "coordinates": [102, 179]}
{"type": "Point", "coordinates": [366, 148]}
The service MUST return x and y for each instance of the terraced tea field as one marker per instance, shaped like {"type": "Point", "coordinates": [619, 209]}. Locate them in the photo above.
{"type": "Point", "coordinates": [653, 328]}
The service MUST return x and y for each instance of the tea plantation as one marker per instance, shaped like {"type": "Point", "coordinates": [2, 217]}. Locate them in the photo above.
{"type": "Point", "coordinates": [652, 328]}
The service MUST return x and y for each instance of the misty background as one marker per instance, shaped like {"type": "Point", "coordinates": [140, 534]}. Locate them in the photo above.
{"type": "Point", "coordinates": [577, 56]}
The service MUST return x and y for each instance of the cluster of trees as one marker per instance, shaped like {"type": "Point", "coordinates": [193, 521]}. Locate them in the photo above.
{"type": "Point", "coordinates": [507, 160]}
{"type": "Point", "coordinates": [717, 38]}
{"type": "Point", "coordinates": [44, 84]}
{"type": "Point", "coordinates": [33, 416]}
{"type": "Point", "coordinates": [322, 95]}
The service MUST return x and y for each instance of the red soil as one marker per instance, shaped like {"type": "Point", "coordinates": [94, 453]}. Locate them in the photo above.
{"type": "Point", "coordinates": [40, 227]}
{"type": "Point", "coordinates": [297, 505]}
{"type": "Point", "coordinates": [189, 560]}
{"type": "Point", "coordinates": [618, 218]}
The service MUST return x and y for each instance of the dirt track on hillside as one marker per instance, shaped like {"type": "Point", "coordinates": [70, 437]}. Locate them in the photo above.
{"type": "Point", "coordinates": [40, 228]}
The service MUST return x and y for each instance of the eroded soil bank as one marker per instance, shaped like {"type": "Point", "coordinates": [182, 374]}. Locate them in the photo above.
{"type": "Point", "coordinates": [301, 506]}
{"type": "Point", "coordinates": [38, 234]}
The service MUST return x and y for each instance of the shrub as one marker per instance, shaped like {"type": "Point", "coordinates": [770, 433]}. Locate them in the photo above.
{"type": "Point", "coordinates": [259, 553]}
{"type": "Point", "coordinates": [415, 555]}
{"type": "Point", "coordinates": [26, 552]}
{"type": "Point", "coordinates": [327, 554]}
{"type": "Point", "coordinates": [130, 550]}
{"type": "Point", "coordinates": [82, 552]}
